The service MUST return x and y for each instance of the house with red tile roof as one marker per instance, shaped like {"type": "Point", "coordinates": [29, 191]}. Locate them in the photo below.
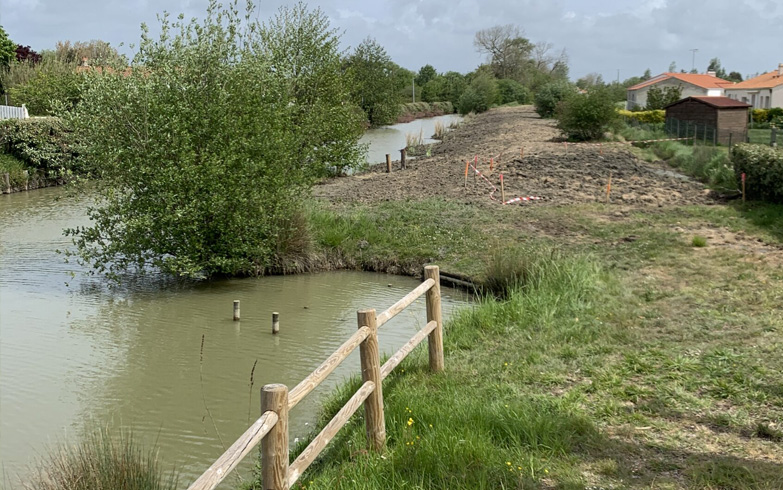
{"type": "Point", "coordinates": [691, 84]}
{"type": "Point", "coordinates": [762, 92]}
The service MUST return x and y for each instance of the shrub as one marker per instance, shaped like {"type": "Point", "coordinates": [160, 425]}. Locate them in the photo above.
{"type": "Point", "coordinates": [644, 117]}
{"type": "Point", "coordinates": [41, 143]}
{"type": "Point", "coordinates": [215, 138]}
{"type": "Point", "coordinates": [512, 91]}
{"type": "Point", "coordinates": [586, 116]}
{"type": "Point", "coordinates": [550, 95]}
{"type": "Point", "coordinates": [46, 86]}
{"type": "Point", "coordinates": [759, 115]}
{"type": "Point", "coordinates": [763, 167]}
{"type": "Point", "coordinates": [699, 241]}
{"type": "Point", "coordinates": [480, 95]}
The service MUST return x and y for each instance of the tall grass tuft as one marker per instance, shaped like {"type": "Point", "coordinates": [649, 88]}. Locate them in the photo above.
{"type": "Point", "coordinates": [102, 462]}
{"type": "Point", "coordinates": [412, 140]}
{"type": "Point", "coordinates": [440, 130]}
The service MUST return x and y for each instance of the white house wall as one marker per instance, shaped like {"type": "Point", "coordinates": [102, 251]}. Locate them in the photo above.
{"type": "Point", "coordinates": [746, 95]}
{"type": "Point", "coordinates": [688, 90]}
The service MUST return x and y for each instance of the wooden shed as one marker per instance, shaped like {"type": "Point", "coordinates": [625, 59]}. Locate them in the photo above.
{"type": "Point", "coordinates": [727, 116]}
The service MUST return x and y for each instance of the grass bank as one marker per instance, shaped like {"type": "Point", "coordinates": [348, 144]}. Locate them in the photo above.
{"type": "Point", "coordinates": [623, 356]}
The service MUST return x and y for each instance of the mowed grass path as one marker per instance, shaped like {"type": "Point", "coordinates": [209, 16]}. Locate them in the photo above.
{"type": "Point", "coordinates": [626, 358]}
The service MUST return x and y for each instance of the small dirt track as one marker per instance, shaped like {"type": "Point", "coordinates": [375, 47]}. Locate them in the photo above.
{"type": "Point", "coordinates": [558, 173]}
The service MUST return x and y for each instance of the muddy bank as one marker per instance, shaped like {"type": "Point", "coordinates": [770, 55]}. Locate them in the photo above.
{"type": "Point", "coordinates": [534, 161]}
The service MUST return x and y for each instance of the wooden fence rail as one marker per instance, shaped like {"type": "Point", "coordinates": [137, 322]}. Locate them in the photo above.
{"type": "Point", "coordinates": [271, 429]}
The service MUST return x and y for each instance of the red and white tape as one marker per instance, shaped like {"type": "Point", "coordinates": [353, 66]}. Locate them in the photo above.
{"type": "Point", "coordinates": [494, 189]}
{"type": "Point", "coordinates": [522, 199]}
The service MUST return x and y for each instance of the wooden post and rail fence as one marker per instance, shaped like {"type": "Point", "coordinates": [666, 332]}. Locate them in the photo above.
{"type": "Point", "coordinates": [271, 429]}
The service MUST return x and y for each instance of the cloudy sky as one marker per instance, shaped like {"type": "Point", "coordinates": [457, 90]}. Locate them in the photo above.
{"type": "Point", "coordinates": [600, 36]}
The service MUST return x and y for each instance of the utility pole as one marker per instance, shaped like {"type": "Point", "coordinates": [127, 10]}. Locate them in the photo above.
{"type": "Point", "coordinates": [693, 62]}
{"type": "Point", "coordinates": [413, 86]}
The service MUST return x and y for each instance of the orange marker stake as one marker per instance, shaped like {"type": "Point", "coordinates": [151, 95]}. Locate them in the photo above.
{"type": "Point", "coordinates": [502, 190]}
{"type": "Point", "coordinates": [467, 164]}
{"type": "Point", "coordinates": [609, 187]}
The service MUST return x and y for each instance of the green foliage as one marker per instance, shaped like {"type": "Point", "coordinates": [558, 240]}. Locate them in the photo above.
{"type": "Point", "coordinates": [658, 98]}
{"type": "Point", "coordinates": [216, 135]}
{"type": "Point", "coordinates": [43, 144]}
{"type": "Point", "coordinates": [512, 91]}
{"type": "Point", "coordinates": [447, 88]}
{"type": "Point", "coordinates": [644, 117]}
{"type": "Point", "coordinates": [50, 87]}
{"type": "Point", "coordinates": [480, 95]}
{"type": "Point", "coordinates": [7, 49]}
{"type": "Point", "coordinates": [102, 462]}
{"type": "Point", "coordinates": [373, 83]}
{"type": "Point", "coordinates": [759, 115]}
{"type": "Point", "coordinates": [426, 73]}
{"type": "Point", "coordinates": [425, 109]}
{"type": "Point", "coordinates": [699, 241]}
{"type": "Point", "coordinates": [550, 96]}
{"type": "Point", "coordinates": [708, 164]}
{"type": "Point", "coordinates": [763, 168]}
{"type": "Point", "coordinates": [587, 116]}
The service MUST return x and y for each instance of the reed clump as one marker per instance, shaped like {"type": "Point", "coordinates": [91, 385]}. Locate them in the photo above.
{"type": "Point", "coordinates": [102, 462]}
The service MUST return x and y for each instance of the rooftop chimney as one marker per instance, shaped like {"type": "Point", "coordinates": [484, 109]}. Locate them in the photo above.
{"type": "Point", "coordinates": [780, 69]}
{"type": "Point", "coordinates": [711, 73]}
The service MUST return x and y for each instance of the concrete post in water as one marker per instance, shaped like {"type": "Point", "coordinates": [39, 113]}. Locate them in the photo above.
{"type": "Point", "coordinates": [275, 322]}
{"type": "Point", "coordinates": [371, 371]}
{"type": "Point", "coordinates": [236, 310]}
{"type": "Point", "coordinates": [403, 152]}
{"type": "Point", "coordinates": [388, 163]}
{"type": "Point", "coordinates": [274, 447]}
{"type": "Point", "coordinates": [435, 339]}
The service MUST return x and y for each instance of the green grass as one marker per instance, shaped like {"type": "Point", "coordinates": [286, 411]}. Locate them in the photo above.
{"type": "Point", "coordinates": [14, 167]}
{"type": "Point", "coordinates": [604, 362]}
{"type": "Point", "coordinates": [760, 136]}
{"type": "Point", "coordinates": [699, 241]}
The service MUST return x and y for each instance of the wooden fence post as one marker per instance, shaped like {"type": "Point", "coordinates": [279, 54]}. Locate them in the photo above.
{"type": "Point", "coordinates": [435, 340]}
{"type": "Point", "coordinates": [388, 163]}
{"type": "Point", "coordinates": [403, 152]}
{"type": "Point", "coordinates": [371, 371]}
{"type": "Point", "coordinates": [274, 447]}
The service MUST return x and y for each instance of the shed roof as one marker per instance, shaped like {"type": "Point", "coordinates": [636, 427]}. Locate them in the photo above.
{"type": "Point", "coordinates": [700, 80]}
{"type": "Point", "coordinates": [717, 102]}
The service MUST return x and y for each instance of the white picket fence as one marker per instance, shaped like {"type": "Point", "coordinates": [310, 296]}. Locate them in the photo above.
{"type": "Point", "coordinates": [12, 112]}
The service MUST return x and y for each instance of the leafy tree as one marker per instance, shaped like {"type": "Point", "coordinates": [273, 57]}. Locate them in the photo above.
{"type": "Point", "coordinates": [7, 49]}
{"type": "Point", "coordinates": [551, 95]}
{"type": "Point", "coordinates": [672, 67]}
{"type": "Point", "coordinates": [45, 87]}
{"type": "Point", "coordinates": [587, 116]}
{"type": "Point", "coordinates": [507, 50]}
{"type": "Point", "coordinates": [426, 73]}
{"type": "Point", "coordinates": [715, 66]}
{"type": "Point", "coordinates": [658, 98]}
{"type": "Point", "coordinates": [215, 135]}
{"type": "Point", "coordinates": [95, 53]}
{"type": "Point", "coordinates": [647, 75]}
{"type": "Point", "coordinates": [590, 80]}
{"type": "Point", "coordinates": [26, 53]}
{"type": "Point", "coordinates": [734, 76]}
{"type": "Point", "coordinates": [373, 86]}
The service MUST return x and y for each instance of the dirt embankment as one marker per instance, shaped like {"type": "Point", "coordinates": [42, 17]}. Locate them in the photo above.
{"type": "Point", "coordinates": [534, 161]}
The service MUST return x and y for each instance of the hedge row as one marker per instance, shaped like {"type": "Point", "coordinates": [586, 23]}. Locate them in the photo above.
{"type": "Point", "coordinates": [427, 107]}
{"type": "Point", "coordinates": [41, 143]}
{"type": "Point", "coordinates": [649, 117]}
{"type": "Point", "coordinates": [766, 115]}
{"type": "Point", "coordinates": [763, 168]}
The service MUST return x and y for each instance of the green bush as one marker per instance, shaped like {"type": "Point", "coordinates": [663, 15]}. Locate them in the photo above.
{"type": "Point", "coordinates": [760, 115]}
{"type": "Point", "coordinates": [512, 91]}
{"type": "Point", "coordinates": [763, 168]}
{"type": "Point", "coordinates": [40, 143]}
{"type": "Point", "coordinates": [208, 147]}
{"type": "Point", "coordinates": [480, 95]}
{"type": "Point", "coordinates": [587, 116]}
{"type": "Point", "coordinates": [644, 117]}
{"type": "Point", "coordinates": [51, 85]}
{"type": "Point", "coordinates": [550, 95]}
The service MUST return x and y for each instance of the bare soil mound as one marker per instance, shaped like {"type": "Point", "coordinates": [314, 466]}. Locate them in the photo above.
{"type": "Point", "coordinates": [534, 161]}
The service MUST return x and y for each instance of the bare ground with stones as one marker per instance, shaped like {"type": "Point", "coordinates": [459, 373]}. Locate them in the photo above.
{"type": "Point", "coordinates": [534, 161]}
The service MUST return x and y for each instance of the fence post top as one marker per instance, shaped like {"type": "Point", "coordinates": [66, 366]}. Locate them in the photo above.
{"type": "Point", "coordinates": [431, 268]}
{"type": "Point", "coordinates": [274, 388]}
{"type": "Point", "coordinates": [367, 311]}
